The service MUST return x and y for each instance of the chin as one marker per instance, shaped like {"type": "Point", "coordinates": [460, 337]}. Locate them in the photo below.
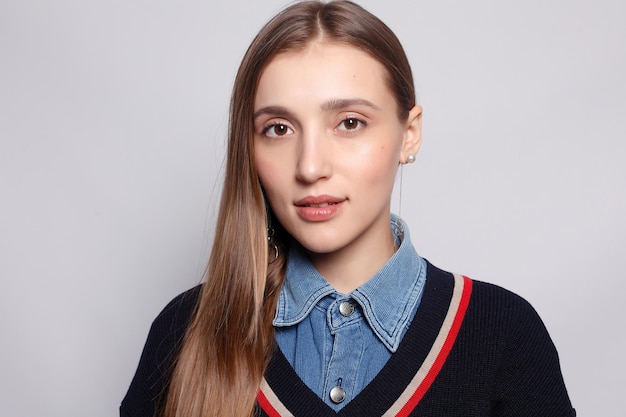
{"type": "Point", "coordinates": [317, 238]}
{"type": "Point", "coordinates": [318, 246]}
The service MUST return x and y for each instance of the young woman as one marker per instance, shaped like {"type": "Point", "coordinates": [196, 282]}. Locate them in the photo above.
{"type": "Point", "coordinates": [315, 302]}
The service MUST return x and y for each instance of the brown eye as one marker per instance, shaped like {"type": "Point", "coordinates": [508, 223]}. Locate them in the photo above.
{"type": "Point", "coordinates": [280, 130]}
{"type": "Point", "coordinates": [350, 123]}
{"type": "Point", "coordinates": [277, 130]}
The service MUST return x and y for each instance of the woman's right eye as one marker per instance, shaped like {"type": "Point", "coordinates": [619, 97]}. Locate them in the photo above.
{"type": "Point", "coordinates": [276, 130]}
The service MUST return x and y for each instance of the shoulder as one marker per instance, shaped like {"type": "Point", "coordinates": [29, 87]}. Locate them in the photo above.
{"type": "Point", "coordinates": [512, 347]}
{"type": "Point", "coordinates": [492, 299]}
{"type": "Point", "coordinates": [164, 339]}
{"type": "Point", "coordinates": [500, 323]}
{"type": "Point", "coordinates": [169, 328]}
{"type": "Point", "coordinates": [176, 314]}
{"type": "Point", "coordinates": [487, 302]}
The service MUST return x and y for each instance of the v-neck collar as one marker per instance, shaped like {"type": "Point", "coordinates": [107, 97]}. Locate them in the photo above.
{"type": "Point", "coordinates": [398, 387]}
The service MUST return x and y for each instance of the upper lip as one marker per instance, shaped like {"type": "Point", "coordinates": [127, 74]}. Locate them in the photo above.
{"type": "Point", "coordinates": [319, 200]}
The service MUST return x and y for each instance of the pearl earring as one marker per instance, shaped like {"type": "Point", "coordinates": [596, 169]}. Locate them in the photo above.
{"type": "Point", "coordinates": [410, 158]}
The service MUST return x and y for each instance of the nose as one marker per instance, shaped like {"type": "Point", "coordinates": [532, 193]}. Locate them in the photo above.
{"type": "Point", "coordinates": [314, 161]}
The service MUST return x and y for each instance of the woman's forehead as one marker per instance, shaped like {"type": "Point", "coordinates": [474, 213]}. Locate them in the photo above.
{"type": "Point", "coordinates": [322, 71]}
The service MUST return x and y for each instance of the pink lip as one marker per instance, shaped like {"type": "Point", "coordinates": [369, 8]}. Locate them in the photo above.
{"type": "Point", "coordinates": [318, 208]}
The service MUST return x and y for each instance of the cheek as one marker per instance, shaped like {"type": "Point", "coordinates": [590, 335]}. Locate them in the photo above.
{"type": "Point", "coordinates": [265, 170]}
{"type": "Point", "coordinates": [271, 163]}
{"type": "Point", "coordinates": [377, 163]}
{"type": "Point", "coordinates": [266, 176]}
{"type": "Point", "coordinates": [269, 176]}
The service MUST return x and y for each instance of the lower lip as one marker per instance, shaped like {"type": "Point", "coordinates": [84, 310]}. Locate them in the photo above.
{"type": "Point", "coordinates": [318, 214]}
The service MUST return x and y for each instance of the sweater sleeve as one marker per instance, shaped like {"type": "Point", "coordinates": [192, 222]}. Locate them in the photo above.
{"type": "Point", "coordinates": [150, 382]}
{"type": "Point", "coordinates": [529, 380]}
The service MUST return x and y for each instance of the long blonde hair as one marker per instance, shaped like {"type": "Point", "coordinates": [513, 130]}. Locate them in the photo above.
{"type": "Point", "coordinates": [230, 338]}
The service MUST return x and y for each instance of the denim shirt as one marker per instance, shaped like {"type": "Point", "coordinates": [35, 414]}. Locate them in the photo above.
{"type": "Point", "coordinates": [340, 342]}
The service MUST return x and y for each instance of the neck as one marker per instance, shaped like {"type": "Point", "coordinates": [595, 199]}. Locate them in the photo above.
{"type": "Point", "coordinates": [350, 267]}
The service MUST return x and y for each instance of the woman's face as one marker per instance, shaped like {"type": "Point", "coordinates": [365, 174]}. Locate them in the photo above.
{"type": "Point", "coordinates": [327, 145]}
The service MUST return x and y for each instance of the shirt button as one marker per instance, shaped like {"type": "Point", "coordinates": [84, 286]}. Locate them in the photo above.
{"type": "Point", "coordinates": [337, 394]}
{"type": "Point", "coordinates": [346, 308]}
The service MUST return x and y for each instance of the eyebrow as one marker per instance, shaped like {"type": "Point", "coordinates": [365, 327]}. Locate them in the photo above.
{"type": "Point", "coordinates": [338, 104]}
{"type": "Point", "coordinates": [273, 110]}
{"type": "Point", "coordinates": [335, 104]}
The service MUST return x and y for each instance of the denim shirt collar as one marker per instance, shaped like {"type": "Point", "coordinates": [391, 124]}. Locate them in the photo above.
{"type": "Point", "coordinates": [387, 299]}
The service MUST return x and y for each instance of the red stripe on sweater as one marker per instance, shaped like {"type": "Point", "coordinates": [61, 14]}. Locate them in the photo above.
{"type": "Point", "coordinates": [443, 354]}
{"type": "Point", "coordinates": [266, 406]}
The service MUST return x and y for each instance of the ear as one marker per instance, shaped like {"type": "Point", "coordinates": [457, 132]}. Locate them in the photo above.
{"type": "Point", "coordinates": [412, 134]}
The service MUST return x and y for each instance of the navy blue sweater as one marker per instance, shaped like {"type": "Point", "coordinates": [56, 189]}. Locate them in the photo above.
{"type": "Point", "coordinates": [473, 349]}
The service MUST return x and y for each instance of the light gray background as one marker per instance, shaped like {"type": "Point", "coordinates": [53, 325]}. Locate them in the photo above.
{"type": "Point", "coordinates": [112, 122]}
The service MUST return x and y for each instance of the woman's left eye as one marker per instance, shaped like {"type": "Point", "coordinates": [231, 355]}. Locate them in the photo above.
{"type": "Point", "coordinates": [351, 124]}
